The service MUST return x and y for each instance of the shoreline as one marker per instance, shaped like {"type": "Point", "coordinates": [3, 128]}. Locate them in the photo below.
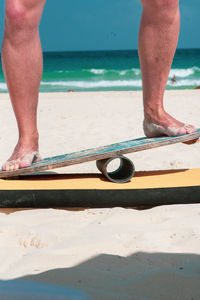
{"type": "Point", "coordinates": [113, 91]}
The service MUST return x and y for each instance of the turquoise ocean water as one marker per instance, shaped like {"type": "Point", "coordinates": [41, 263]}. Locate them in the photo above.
{"type": "Point", "coordinates": [110, 70]}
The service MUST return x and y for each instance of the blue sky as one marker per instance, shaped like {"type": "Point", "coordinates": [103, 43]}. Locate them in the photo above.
{"type": "Point", "coordinates": [104, 24]}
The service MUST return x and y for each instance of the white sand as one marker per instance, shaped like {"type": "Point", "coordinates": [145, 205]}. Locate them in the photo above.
{"type": "Point", "coordinates": [109, 254]}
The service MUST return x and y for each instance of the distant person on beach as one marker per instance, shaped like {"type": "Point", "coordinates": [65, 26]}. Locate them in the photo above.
{"type": "Point", "coordinates": [23, 66]}
{"type": "Point", "coordinates": [173, 80]}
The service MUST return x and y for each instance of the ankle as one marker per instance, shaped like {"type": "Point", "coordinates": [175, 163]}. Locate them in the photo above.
{"type": "Point", "coordinates": [153, 113]}
{"type": "Point", "coordinates": [30, 140]}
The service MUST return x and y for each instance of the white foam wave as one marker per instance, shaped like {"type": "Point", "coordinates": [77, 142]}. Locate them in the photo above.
{"type": "Point", "coordinates": [97, 71]}
{"type": "Point", "coordinates": [184, 82]}
{"type": "Point", "coordinates": [183, 72]}
{"type": "Point", "coordinates": [122, 73]}
{"type": "Point", "coordinates": [104, 71]}
{"type": "Point", "coordinates": [96, 84]}
{"type": "Point", "coordinates": [116, 83]}
{"type": "Point", "coordinates": [196, 69]}
{"type": "Point", "coordinates": [136, 71]}
{"type": "Point", "coordinates": [62, 71]}
{"type": "Point", "coordinates": [3, 86]}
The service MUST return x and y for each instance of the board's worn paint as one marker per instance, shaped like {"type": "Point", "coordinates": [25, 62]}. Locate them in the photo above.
{"type": "Point", "coordinates": [100, 153]}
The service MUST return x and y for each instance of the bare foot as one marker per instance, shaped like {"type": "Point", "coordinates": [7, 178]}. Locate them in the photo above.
{"type": "Point", "coordinates": [164, 124]}
{"type": "Point", "coordinates": [23, 156]}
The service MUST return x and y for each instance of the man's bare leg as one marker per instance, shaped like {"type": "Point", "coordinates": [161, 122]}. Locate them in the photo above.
{"type": "Point", "coordinates": [158, 37]}
{"type": "Point", "coordinates": [22, 65]}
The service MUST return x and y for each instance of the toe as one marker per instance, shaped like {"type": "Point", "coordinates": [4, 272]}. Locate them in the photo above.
{"type": "Point", "coordinates": [190, 128]}
{"type": "Point", "coordinates": [6, 166]}
{"type": "Point", "coordinates": [3, 167]}
{"type": "Point", "coordinates": [29, 159]}
{"type": "Point", "coordinates": [182, 130]}
{"type": "Point", "coordinates": [16, 165]}
{"type": "Point", "coordinates": [186, 129]}
{"type": "Point", "coordinates": [25, 164]}
{"type": "Point", "coordinates": [10, 165]}
{"type": "Point", "coordinates": [11, 168]}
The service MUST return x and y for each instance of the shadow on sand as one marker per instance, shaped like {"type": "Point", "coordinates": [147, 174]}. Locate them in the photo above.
{"type": "Point", "coordinates": [140, 276]}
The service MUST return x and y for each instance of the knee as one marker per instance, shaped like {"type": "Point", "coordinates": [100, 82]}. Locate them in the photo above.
{"type": "Point", "coordinates": [16, 18]}
{"type": "Point", "coordinates": [19, 18]}
{"type": "Point", "coordinates": [166, 9]}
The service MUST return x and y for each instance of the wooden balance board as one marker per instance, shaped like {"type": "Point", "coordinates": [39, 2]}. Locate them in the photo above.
{"type": "Point", "coordinates": [59, 190]}
{"type": "Point", "coordinates": [104, 155]}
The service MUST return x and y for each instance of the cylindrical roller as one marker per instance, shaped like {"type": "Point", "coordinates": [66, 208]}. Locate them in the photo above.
{"type": "Point", "coordinates": [122, 174]}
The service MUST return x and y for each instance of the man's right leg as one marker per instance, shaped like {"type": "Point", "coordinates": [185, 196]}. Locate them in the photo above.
{"type": "Point", "coordinates": [22, 65]}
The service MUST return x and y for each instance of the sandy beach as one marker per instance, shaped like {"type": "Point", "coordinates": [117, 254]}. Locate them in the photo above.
{"type": "Point", "coordinates": [108, 253]}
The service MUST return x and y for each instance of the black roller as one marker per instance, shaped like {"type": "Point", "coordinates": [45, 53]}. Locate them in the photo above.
{"type": "Point", "coordinates": [122, 174]}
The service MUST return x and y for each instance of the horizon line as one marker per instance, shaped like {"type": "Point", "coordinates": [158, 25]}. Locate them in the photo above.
{"type": "Point", "coordinates": [111, 50]}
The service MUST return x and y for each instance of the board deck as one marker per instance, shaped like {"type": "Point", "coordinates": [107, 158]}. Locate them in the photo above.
{"type": "Point", "coordinates": [104, 152]}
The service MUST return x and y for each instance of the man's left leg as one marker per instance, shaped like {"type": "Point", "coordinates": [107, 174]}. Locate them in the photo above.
{"type": "Point", "coordinates": [159, 31]}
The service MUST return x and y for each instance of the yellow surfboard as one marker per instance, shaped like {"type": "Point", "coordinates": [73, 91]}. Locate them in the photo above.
{"type": "Point", "coordinates": [93, 190]}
